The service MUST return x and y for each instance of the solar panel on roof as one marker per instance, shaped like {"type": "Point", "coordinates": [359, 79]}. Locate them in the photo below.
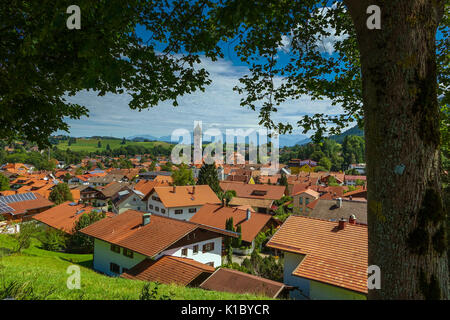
{"type": "Point", "coordinates": [18, 197]}
{"type": "Point", "coordinates": [5, 208]}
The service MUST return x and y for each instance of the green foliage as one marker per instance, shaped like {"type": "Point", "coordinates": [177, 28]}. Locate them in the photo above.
{"type": "Point", "coordinates": [60, 193]}
{"type": "Point", "coordinates": [228, 226]}
{"type": "Point", "coordinates": [183, 176]}
{"type": "Point", "coordinates": [167, 166]}
{"type": "Point", "coordinates": [21, 291]}
{"type": "Point", "coordinates": [237, 242]}
{"type": "Point", "coordinates": [353, 149]}
{"type": "Point", "coordinates": [151, 291]}
{"type": "Point", "coordinates": [28, 231]}
{"type": "Point", "coordinates": [283, 181]}
{"type": "Point", "coordinates": [4, 183]}
{"type": "Point", "coordinates": [267, 267]}
{"type": "Point", "coordinates": [325, 163]}
{"type": "Point", "coordinates": [226, 196]}
{"type": "Point", "coordinates": [53, 240]}
{"type": "Point", "coordinates": [208, 175]}
{"type": "Point", "coordinates": [79, 242]}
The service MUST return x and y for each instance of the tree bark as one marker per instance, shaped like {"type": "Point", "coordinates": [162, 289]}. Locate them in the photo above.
{"type": "Point", "coordinates": [406, 217]}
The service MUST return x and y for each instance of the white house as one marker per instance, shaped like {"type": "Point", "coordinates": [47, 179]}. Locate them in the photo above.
{"type": "Point", "coordinates": [123, 241]}
{"type": "Point", "coordinates": [360, 167]}
{"type": "Point", "coordinates": [323, 260]}
{"type": "Point", "coordinates": [179, 202]}
{"type": "Point", "coordinates": [128, 199]}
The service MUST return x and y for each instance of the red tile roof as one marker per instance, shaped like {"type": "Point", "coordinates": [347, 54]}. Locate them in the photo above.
{"type": "Point", "coordinates": [333, 256]}
{"type": "Point", "coordinates": [64, 216]}
{"type": "Point", "coordinates": [169, 269]}
{"type": "Point", "coordinates": [185, 196]}
{"type": "Point", "coordinates": [21, 207]}
{"type": "Point", "coordinates": [247, 190]}
{"type": "Point", "coordinates": [216, 216]}
{"type": "Point", "coordinates": [126, 230]}
{"type": "Point", "coordinates": [234, 281]}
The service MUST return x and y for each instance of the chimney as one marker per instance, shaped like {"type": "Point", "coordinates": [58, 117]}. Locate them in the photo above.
{"type": "Point", "coordinates": [174, 187]}
{"type": "Point", "coordinates": [339, 202]}
{"type": "Point", "coordinates": [350, 198]}
{"type": "Point", "coordinates": [193, 189]}
{"type": "Point", "coordinates": [249, 214]}
{"type": "Point", "coordinates": [352, 219]}
{"type": "Point", "coordinates": [146, 219]}
{"type": "Point", "coordinates": [342, 223]}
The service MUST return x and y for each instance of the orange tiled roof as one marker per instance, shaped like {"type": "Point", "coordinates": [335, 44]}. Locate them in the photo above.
{"type": "Point", "coordinates": [246, 190]}
{"type": "Point", "coordinates": [147, 186]}
{"type": "Point", "coordinates": [234, 281]}
{"type": "Point", "coordinates": [64, 216]}
{"type": "Point", "coordinates": [337, 257]}
{"type": "Point", "coordinates": [186, 196]}
{"type": "Point", "coordinates": [126, 230]}
{"type": "Point", "coordinates": [168, 269]}
{"type": "Point", "coordinates": [216, 216]}
{"type": "Point", "coordinates": [21, 207]}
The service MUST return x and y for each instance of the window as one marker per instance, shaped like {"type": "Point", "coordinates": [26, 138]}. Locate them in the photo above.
{"type": "Point", "coordinates": [192, 210]}
{"type": "Point", "coordinates": [156, 199]}
{"type": "Point", "coordinates": [179, 211]}
{"type": "Point", "coordinates": [184, 252]}
{"type": "Point", "coordinates": [163, 210]}
{"type": "Point", "coordinates": [210, 264]}
{"type": "Point", "coordinates": [259, 192]}
{"type": "Point", "coordinates": [195, 249]}
{"type": "Point", "coordinates": [150, 206]}
{"type": "Point", "coordinates": [208, 247]}
{"type": "Point", "coordinates": [114, 268]}
{"type": "Point", "coordinates": [306, 200]}
{"type": "Point", "coordinates": [115, 248]}
{"type": "Point", "coordinates": [157, 209]}
{"type": "Point", "coordinates": [127, 253]}
{"type": "Point", "coordinates": [139, 208]}
{"type": "Point", "coordinates": [124, 270]}
{"type": "Point", "coordinates": [300, 200]}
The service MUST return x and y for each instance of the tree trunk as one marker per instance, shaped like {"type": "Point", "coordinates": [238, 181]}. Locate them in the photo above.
{"type": "Point", "coordinates": [406, 217]}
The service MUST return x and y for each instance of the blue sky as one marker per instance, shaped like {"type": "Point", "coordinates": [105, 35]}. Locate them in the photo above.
{"type": "Point", "coordinates": [217, 107]}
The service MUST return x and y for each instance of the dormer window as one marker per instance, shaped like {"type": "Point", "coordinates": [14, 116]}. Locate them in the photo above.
{"type": "Point", "coordinates": [259, 193]}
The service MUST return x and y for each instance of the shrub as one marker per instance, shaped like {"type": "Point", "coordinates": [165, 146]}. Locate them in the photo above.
{"type": "Point", "coordinates": [53, 240]}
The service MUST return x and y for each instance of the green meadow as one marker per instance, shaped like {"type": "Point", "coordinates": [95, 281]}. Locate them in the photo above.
{"type": "Point", "coordinates": [91, 145]}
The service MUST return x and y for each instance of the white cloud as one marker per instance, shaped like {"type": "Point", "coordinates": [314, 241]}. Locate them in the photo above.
{"type": "Point", "coordinates": [217, 107]}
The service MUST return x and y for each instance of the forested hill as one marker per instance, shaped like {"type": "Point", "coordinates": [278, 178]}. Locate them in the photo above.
{"type": "Point", "coordinates": [354, 131]}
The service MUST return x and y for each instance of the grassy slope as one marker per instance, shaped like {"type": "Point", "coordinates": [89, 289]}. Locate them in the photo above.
{"type": "Point", "coordinates": [91, 145]}
{"type": "Point", "coordinates": [46, 271]}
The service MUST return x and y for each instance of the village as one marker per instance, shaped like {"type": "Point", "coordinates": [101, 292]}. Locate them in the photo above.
{"type": "Point", "coordinates": [297, 233]}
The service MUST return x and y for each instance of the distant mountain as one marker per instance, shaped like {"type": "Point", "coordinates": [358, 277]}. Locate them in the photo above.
{"type": "Point", "coordinates": [284, 140]}
{"type": "Point", "coordinates": [353, 131]}
{"type": "Point", "coordinates": [143, 137]}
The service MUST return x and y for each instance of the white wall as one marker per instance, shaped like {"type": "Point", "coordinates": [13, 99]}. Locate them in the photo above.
{"type": "Point", "coordinates": [103, 256]}
{"type": "Point", "coordinates": [170, 212]}
{"type": "Point", "coordinates": [129, 204]}
{"type": "Point", "coordinates": [211, 256]}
